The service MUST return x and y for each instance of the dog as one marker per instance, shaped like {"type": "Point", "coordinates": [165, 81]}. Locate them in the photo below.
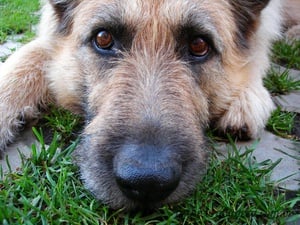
{"type": "Point", "coordinates": [149, 78]}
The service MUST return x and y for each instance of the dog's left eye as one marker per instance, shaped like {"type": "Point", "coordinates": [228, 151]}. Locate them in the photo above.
{"type": "Point", "coordinates": [104, 40]}
{"type": "Point", "coordinates": [199, 47]}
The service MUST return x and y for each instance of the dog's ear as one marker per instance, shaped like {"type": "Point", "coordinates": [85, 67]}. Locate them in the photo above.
{"type": "Point", "coordinates": [247, 16]}
{"type": "Point", "coordinates": [63, 10]}
{"type": "Point", "coordinates": [249, 6]}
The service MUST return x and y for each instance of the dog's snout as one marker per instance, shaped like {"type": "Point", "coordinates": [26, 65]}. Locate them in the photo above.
{"type": "Point", "coordinates": [145, 173]}
{"type": "Point", "coordinates": [147, 184]}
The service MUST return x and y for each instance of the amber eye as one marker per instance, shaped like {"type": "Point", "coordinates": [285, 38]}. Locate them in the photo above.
{"type": "Point", "coordinates": [104, 40]}
{"type": "Point", "coordinates": [199, 47]}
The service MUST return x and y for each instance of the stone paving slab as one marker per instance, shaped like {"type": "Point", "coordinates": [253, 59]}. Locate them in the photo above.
{"type": "Point", "coordinates": [13, 153]}
{"type": "Point", "coordinates": [295, 74]}
{"type": "Point", "coordinates": [274, 148]}
{"type": "Point", "coordinates": [289, 102]}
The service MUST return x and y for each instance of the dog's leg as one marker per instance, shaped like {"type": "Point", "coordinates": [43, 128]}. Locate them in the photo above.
{"type": "Point", "coordinates": [241, 105]}
{"type": "Point", "coordinates": [23, 88]}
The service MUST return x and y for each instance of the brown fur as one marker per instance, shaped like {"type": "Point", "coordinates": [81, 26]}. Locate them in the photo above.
{"type": "Point", "coordinates": [147, 100]}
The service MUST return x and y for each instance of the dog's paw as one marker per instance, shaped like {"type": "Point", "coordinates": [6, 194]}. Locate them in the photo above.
{"type": "Point", "coordinates": [12, 122]}
{"type": "Point", "coordinates": [246, 116]}
{"type": "Point", "coordinates": [242, 133]}
{"type": "Point", "coordinates": [9, 128]}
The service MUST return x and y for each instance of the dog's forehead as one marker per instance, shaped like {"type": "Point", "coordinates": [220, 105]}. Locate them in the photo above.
{"type": "Point", "coordinates": [93, 13]}
{"type": "Point", "coordinates": [139, 9]}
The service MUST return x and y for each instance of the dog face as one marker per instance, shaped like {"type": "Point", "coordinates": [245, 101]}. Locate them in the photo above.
{"type": "Point", "coordinates": [150, 76]}
{"type": "Point", "coordinates": [146, 72]}
{"type": "Point", "coordinates": [144, 142]}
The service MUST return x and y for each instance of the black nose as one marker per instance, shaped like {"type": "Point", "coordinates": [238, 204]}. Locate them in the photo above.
{"type": "Point", "coordinates": [146, 184]}
{"type": "Point", "coordinates": [145, 173]}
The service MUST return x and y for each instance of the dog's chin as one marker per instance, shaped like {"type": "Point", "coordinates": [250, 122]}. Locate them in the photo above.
{"type": "Point", "coordinates": [126, 204]}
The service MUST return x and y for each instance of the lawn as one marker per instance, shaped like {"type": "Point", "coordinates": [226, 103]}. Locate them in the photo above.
{"type": "Point", "coordinates": [47, 189]}
{"type": "Point", "coordinates": [18, 17]}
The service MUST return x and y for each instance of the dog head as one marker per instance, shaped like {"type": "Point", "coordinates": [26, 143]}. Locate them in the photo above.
{"type": "Point", "coordinates": [145, 73]}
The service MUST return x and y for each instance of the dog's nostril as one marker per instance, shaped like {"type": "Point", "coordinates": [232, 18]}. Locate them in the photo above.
{"type": "Point", "coordinates": [148, 185]}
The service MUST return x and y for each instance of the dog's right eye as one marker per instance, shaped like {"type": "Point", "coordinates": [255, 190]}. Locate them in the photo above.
{"type": "Point", "coordinates": [199, 47]}
{"type": "Point", "coordinates": [104, 40]}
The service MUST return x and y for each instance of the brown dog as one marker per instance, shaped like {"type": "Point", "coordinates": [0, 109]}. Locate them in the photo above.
{"type": "Point", "coordinates": [149, 76]}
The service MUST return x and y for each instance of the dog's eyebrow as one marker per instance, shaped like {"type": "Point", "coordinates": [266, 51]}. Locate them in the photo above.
{"type": "Point", "coordinates": [108, 16]}
{"type": "Point", "coordinates": [201, 24]}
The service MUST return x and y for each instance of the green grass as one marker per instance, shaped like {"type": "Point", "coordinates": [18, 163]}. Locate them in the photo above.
{"type": "Point", "coordinates": [282, 123]}
{"type": "Point", "coordinates": [17, 16]}
{"type": "Point", "coordinates": [279, 83]}
{"type": "Point", "coordinates": [59, 120]}
{"type": "Point", "coordinates": [287, 54]}
{"type": "Point", "coordinates": [48, 191]}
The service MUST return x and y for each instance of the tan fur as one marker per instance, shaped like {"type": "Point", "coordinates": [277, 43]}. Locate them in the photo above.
{"type": "Point", "coordinates": [151, 94]}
